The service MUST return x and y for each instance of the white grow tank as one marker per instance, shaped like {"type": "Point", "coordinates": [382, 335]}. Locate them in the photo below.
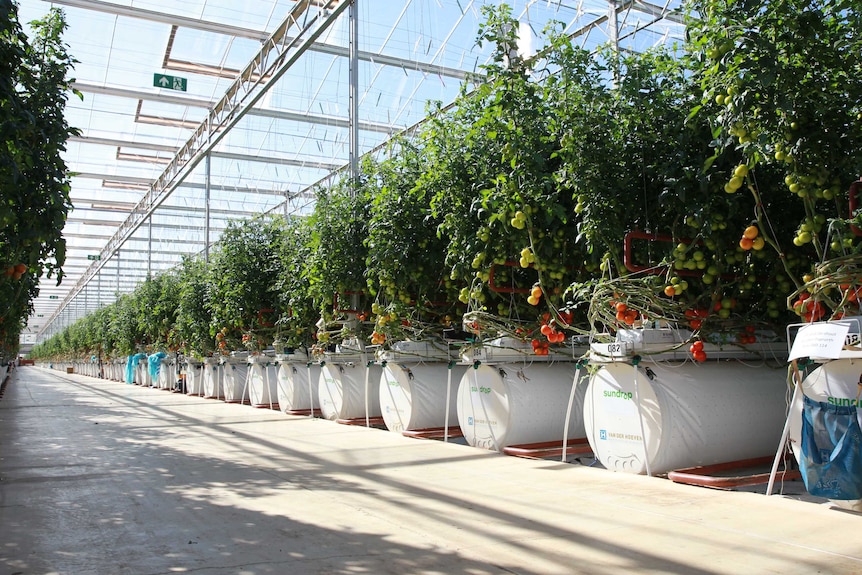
{"type": "Point", "coordinates": [235, 370]}
{"type": "Point", "coordinates": [687, 415]}
{"type": "Point", "coordinates": [213, 378]}
{"type": "Point", "coordinates": [416, 381]}
{"type": "Point", "coordinates": [516, 404]}
{"type": "Point", "coordinates": [262, 381]}
{"type": "Point", "coordinates": [298, 380]}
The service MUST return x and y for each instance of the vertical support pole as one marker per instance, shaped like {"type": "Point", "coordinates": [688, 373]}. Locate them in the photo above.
{"type": "Point", "coordinates": [207, 184]}
{"type": "Point", "coordinates": [785, 433]}
{"type": "Point", "coordinates": [635, 362]}
{"type": "Point", "coordinates": [614, 36]}
{"type": "Point", "coordinates": [118, 272]}
{"type": "Point", "coordinates": [150, 246]}
{"type": "Point", "coordinates": [353, 53]}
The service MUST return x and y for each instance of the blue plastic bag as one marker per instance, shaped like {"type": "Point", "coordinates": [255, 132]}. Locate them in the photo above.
{"type": "Point", "coordinates": [155, 364]}
{"type": "Point", "coordinates": [131, 365]}
{"type": "Point", "coordinates": [831, 462]}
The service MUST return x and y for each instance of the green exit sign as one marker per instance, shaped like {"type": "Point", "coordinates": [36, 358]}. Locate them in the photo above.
{"type": "Point", "coordinates": [53, 297]}
{"type": "Point", "coordinates": [169, 82]}
{"type": "Point", "coordinates": [94, 257]}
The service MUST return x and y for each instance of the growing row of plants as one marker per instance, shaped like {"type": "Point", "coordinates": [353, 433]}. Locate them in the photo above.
{"type": "Point", "coordinates": [34, 184]}
{"type": "Point", "coordinates": [706, 185]}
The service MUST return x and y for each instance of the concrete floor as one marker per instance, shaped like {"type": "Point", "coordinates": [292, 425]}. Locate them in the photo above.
{"type": "Point", "coordinates": [104, 478]}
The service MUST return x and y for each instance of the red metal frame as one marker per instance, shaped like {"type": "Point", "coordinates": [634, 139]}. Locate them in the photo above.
{"type": "Point", "coordinates": [335, 307]}
{"type": "Point", "coordinates": [628, 259]}
{"type": "Point", "coordinates": [497, 289]}
{"type": "Point", "coordinates": [433, 432]}
{"type": "Point", "coordinates": [704, 475]}
{"type": "Point", "coordinates": [545, 449]}
{"type": "Point", "coordinates": [260, 318]}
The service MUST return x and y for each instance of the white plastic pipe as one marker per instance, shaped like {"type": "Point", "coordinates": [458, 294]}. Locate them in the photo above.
{"type": "Point", "coordinates": [797, 387]}
{"type": "Point", "coordinates": [448, 398]}
{"type": "Point", "coordinates": [641, 422]}
{"type": "Point", "coordinates": [569, 412]}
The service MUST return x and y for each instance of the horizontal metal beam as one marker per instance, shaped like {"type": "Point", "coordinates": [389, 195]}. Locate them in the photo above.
{"type": "Point", "coordinates": [190, 185]}
{"type": "Point", "coordinates": [163, 18]}
{"type": "Point", "coordinates": [661, 12]}
{"type": "Point", "coordinates": [84, 237]}
{"type": "Point", "coordinates": [300, 163]}
{"type": "Point", "coordinates": [261, 36]}
{"type": "Point", "coordinates": [178, 211]}
{"type": "Point", "coordinates": [113, 177]}
{"type": "Point", "coordinates": [310, 164]}
{"type": "Point", "coordinates": [195, 102]}
{"type": "Point", "coordinates": [123, 143]}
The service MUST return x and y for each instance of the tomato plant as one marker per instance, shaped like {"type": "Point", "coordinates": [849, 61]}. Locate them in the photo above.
{"type": "Point", "coordinates": [297, 311]}
{"type": "Point", "coordinates": [781, 85]}
{"type": "Point", "coordinates": [245, 271]}
{"type": "Point", "coordinates": [34, 181]}
{"type": "Point", "coordinates": [191, 332]}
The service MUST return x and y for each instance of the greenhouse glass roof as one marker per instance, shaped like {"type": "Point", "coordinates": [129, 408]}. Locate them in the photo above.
{"type": "Point", "coordinates": [248, 103]}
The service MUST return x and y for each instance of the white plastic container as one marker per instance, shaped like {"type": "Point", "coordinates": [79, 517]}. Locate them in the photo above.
{"type": "Point", "coordinates": [213, 378]}
{"type": "Point", "coordinates": [167, 373]}
{"type": "Point", "coordinates": [194, 372]}
{"type": "Point", "coordinates": [142, 373]}
{"type": "Point", "coordinates": [234, 379]}
{"type": "Point", "coordinates": [413, 395]}
{"type": "Point", "coordinates": [111, 371]}
{"type": "Point", "coordinates": [298, 381]}
{"type": "Point", "coordinates": [416, 380]}
{"type": "Point", "coordinates": [342, 389]}
{"type": "Point", "coordinates": [517, 404]}
{"type": "Point", "coordinates": [262, 381]}
{"type": "Point", "coordinates": [119, 367]}
{"type": "Point", "coordinates": [688, 414]}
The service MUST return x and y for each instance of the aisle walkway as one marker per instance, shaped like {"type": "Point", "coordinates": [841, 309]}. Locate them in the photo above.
{"type": "Point", "coordinates": [103, 478]}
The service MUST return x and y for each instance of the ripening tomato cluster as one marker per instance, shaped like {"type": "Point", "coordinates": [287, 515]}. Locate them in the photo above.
{"type": "Point", "coordinates": [748, 335]}
{"type": "Point", "coordinates": [696, 317]}
{"type": "Point", "coordinates": [220, 338]}
{"type": "Point", "coordinates": [16, 271]}
{"type": "Point", "coordinates": [540, 347]}
{"type": "Point", "coordinates": [852, 293]}
{"type": "Point", "coordinates": [697, 352]}
{"type": "Point", "coordinates": [535, 295]}
{"type": "Point", "coordinates": [624, 313]}
{"type": "Point", "coordinates": [808, 309]}
{"type": "Point", "coordinates": [751, 239]}
{"type": "Point", "coordinates": [566, 317]}
{"type": "Point", "coordinates": [552, 334]}
{"type": "Point", "coordinates": [378, 338]}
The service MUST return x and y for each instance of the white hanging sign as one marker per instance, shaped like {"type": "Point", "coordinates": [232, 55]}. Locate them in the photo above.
{"type": "Point", "coordinates": [819, 340]}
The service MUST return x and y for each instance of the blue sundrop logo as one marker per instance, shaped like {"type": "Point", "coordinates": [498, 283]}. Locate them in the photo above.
{"type": "Point", "coordinates": [603, 434]}
{"type": "Point", "coordinates": [470, 420]}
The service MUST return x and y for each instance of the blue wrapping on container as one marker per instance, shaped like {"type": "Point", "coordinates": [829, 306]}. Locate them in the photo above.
{"type": "Point", "coordinates": [131, 365]}
{"type": "Point", "coordinates": [155, 364]}
{"type": "Point", "coordinates": [831, 462]}
{"type": "Point", "coordinates": [129, 375]}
